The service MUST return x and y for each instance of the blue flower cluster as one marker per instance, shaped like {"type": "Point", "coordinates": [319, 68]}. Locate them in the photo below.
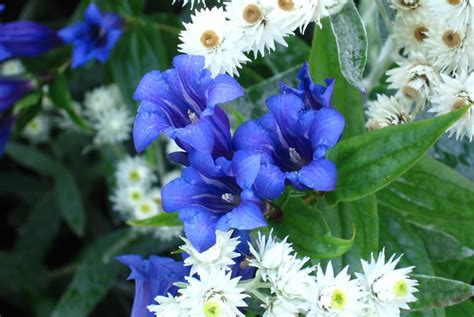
{"type": "Point", "coordinates": [227, 181]}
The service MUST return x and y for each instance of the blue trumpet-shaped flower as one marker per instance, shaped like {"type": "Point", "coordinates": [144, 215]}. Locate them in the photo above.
{"type": "Point", "coordinates": [13, 89]}
{"type": "Point", "coordinates": [293, 141]}
{"type": "Point", "coordinates": [153, 277]}
{"type": "Point", "coordinates": [26, 39]}
{"type": "Point", "coordinates": [178, 100]}
{"type": "Point", "coordinates": [207, 203]}
{"type": "Point", "coordinates": [93, 38]}
{"type": "Point", "coordinates": [314, 96]}
{"type": "Point", "coordinates": [5, 130]}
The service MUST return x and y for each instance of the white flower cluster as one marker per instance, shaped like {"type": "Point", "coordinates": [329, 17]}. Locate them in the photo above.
{"type": "Point", "coordinates": [108, 114]}
{"type": "Point", "coordinates": [285, 284]}
{"type": "Point", "coordinates": [436, 38]}
{"type": "Point", "coordinates": [224, 35]}
{"type": "Point", "coordinates": [12, 67]}
{"type": "Point", "coordinates": [38, 129]}
{"type": "Point", "coordinates": [135, 198]}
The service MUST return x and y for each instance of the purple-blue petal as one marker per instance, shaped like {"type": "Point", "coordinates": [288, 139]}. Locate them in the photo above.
{"type": "Point", "coordinates": [270, 182]}
{"type": "Point", "coordinates": [319, 175]}
{"type": "Point", "coordinates": [246, 216]}
{"type": "Point", "coordinates": [147, 128]}
{"type": "Point", "coordinates": [201, 230]}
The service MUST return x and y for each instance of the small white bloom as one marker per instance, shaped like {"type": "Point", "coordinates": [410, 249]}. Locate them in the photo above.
{"type": "Point", "coordinates": [126, 198]}
{"type": "Point", "coordinates": [38, 129]}
{"type": "Point", "coordinates": [269, 254]}
{"type": "Point", "coordinates": [458, 14]}
{"type": "Point", "coordinates": [101, 101]}
{"type": "Point", "coordinates": [411, 30]}
{"type": "Point", "coordinates": [169, 306]}
{"type": "Point", "coordinates": [387, 111]}
{"type": "Point", "coordinates": [215, 293]}
{"type": "Point", "coordinates": [113, 127]}
{"type": "Point", "coordinates": [134, 170]}
{"type": "Point", "coordinates": [211, 35]}
{"type": "Point", "coordinates": [219, 256]}
{"type": "Point", "coordinates": [452, 94]}
{"type": "Point", "coordinates": [414, 78]}
{"type": "Point", "coordinates": [12, 67]}
{"type": "Point", "coordinates": [388, 289]}
{"type": "Point", "coordinates": [145, 208]}
{"type": "Point", "coordinates": [450, 50]}
{"type": "Point", "coordinates": [336, 296]}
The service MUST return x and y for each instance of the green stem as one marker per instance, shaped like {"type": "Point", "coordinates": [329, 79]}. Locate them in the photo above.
{"type": "Point", "coordinates": [384, 14]}
{"type": "Point", "coordinates": [380, 66]}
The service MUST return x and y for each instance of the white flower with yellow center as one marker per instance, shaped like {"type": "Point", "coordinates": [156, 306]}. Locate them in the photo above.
{"type": "Point", "coordinates": [336, 296]}
{"type": "Point", "coordinates": [387, 111]}
{"type": "Point", "coordinates": [113, 127]}
{"type": "Point", "coordinates": [450, 50]}
{"type": "Point", "coordinates": [211, 35]}
{"type": "Point", "coordinates": [411, 30]}
{"type": "Point", "coordinates": [126, 198]}
{"type": "Point", "coordinates": [101, 101]}
{"type": "Point", "coordinates": [452, 94]}
{"type": "Point", "coordinates": [408, 5]}
{"type": "Point", "coordinates": [458, 14]}
{"type": "Point", "coordinates": [214, 294]}
{"type": "Point", "coordinates": [145, 208]}
{"type": "Point", "coordinates": [12, 67]}
{"type": "Point", "coordinates": [38, 129]}
{"type": "Point", "coordinates": [414, 78]}
{"type": "Point", "coordinates": [169, 306]}
{"type": "Point", "coordinates": [388, 289]}
{"type": "Point", "coordinates": [219, 256]}
{"type": "Point", "coordinates": [134, 170]}
{"type": "Point", "coordinates": [260, 28]}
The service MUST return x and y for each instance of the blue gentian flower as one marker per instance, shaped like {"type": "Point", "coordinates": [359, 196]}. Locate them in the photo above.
{"type": "Point", "coordinates": [93, 38]}
{"type": "Point", "coordinates": [26, 39]}
{"type": "Point", "coordinates": [207, 203]}
{"type": "Point", "coordinates": [13, 89]}
{"type": "Point", "coordinates": [153, 277]}
{"type": "Point", "coordinates": [6, 124]}
{"type": "Point", "coordinates": [293, 141]}
{"type": "Point", "coordinates": [315, 96]}
{"type": "Point", "coordinates": [176, 101]}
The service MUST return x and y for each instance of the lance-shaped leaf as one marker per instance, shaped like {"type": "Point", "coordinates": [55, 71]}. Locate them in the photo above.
{"type": "Point", "coordinates": [369, 162]}
{"type": "Point", "coordinates": [164, 219]}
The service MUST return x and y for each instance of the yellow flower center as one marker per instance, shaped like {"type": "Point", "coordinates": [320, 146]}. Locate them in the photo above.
{"type": "Point", "coordinates": [134, 176]}
{"type": "Point", "coordinates": [212, 309]}
{"type": "Point", "coordinates": [454, 2]}
{"type": "Point", "coordinates": [401, 288]}
{"type": "Point", "coordinates": [452, 39]}
{"type": "Point", "coordinates": [210, 39]}
{"type": "Point", "coordinates": [146, 209]}
{"type": "Point", "coordinates": [420, 33]}
{"type": "Point", "coordinates": [286, 5]}
{"type": "Point", "coordinates": [252, 14]}
{"type": "Point", "coordinates": [136, 196]}
{"type": "Point", "coordinates": [338, 299]}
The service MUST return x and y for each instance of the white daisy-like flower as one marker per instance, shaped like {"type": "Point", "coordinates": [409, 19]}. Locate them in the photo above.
{"type": "Point", "coordinates": [388, 289]}
{"type": "Point", "coordinates": [269, 254]}
{"type": "Point", "coordinates": [414, 78]}
{"type": "Point", "coordinates": [145, 208]}
{"type": "Point", "coordinates": [452, 94]}
{"type": "Point", "coordinates": [336, 296]}
{"type": "Point", "coordinates": [458, 14]}
{"type": "Point", "coordinates": [411, 30]}
{"type": "Point", "coordinates": [169, 306]}
{"type": "Point", "coordinates": [275, 307]}
{"type": "Point", "coordinates": [101, 101]}
{"type": "Point", "coordinates": [408, 5]}
{"type": "Point", "coordinates": [12, 67]}
{"type": "Point", "coordinates": [387, 111]}
{"type": "Point", "coordinates": [211, 35]}
{"type": "Point", "coordinates": [126, 198]}
{"type": "Point", "coordinates": [219, 256]}
{"type": "Point", "coordinates": [260, 26]}
{"type": "Point", "coordinates": [38, 129]}
{"type": "Point", "coordinates": [215, 293]}
{"type": "Point", "coordinates": [134, 170]}
{"type": "Point", "coordinates": [449, 50]}
{"type": "Point", "coordinates": [113, 127]}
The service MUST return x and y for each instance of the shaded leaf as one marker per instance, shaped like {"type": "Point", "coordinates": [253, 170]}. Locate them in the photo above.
{"type": "Point", "coordinates": [164, 219]}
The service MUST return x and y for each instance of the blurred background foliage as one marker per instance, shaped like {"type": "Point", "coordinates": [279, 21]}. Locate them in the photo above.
{"type": "Point", "coordinates": [58, 234]}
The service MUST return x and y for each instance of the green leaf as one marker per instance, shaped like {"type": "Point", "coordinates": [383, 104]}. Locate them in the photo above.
{"type": "Point", "coordinates": [434, 195]}
{"type": "Point", "coordinates": [164, 219]}
{"type": "Point", "coordinates": [368, 163]}
{"type": "Point", "coordinates": [398, 237]}
{"type": "Point", "coordinates": [69, 200]}
{"type": "Point", "coordinates": [439, 292]}
{"type": "Point", "coordinates": [93, 278]}
{"type": "Point", "coordinates": [465, 309]}
{"type": "Point", "coordinates": [285, 58]}
{"type": "Point", "coordinates": [308, 230]}
{"type": "Point", "coordinates": [442, 246]}
{"type": "Point", "coordinates": [324, 63]}
{"type": "Point", "coordinates": [31, 158]}
{"type": "Point", "coordinates": [352, 44]}
{"type": "Point", "coordinates": [139, 51]}
{"type": "Point", "coordinates": [61, 97]}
